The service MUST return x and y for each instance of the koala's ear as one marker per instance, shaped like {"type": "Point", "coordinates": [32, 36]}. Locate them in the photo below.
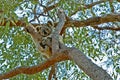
{"type": "Point", "coordinates": [50, 24]}
{"type": "Point", "coordinates": [29, 28]}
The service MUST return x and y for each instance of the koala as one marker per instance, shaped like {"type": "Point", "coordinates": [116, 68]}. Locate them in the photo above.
{"type": "Point", "coordinates": [41, 35]}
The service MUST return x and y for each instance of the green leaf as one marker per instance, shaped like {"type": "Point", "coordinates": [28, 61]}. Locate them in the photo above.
{"type": "Point", "coordinates": [13, 22]}
{"type": "Point", "coordinates": [34, 2]}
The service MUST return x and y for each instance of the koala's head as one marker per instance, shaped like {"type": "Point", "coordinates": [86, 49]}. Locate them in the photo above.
{"type": "Point", "coordinates": [45, 30]}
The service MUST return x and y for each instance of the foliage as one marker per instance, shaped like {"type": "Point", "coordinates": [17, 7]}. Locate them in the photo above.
{"type": "Point", "coordinates": [17, 48]}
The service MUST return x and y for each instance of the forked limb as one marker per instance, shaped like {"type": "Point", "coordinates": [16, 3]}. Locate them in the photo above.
{"type": "Point", "coordinates": [56, 42]}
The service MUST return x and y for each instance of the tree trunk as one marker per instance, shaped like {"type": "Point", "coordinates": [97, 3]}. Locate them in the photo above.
{"type": "Point", "coordinates": [92, 70]}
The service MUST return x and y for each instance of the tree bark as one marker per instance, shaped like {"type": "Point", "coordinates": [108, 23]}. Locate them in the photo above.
{"type": "Point", "coordinates": [92, 70]}
{"type": "Point", "coordinates": [64, 53]}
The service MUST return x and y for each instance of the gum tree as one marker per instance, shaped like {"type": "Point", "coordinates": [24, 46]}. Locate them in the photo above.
{"type": "Point", "coordinates": [91, 39]}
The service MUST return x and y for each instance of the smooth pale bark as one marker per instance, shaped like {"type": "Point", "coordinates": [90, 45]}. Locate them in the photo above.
{"type": "Point", "coordinates": [92, 70]}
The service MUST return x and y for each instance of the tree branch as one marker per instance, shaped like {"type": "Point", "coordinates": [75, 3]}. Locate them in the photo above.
{"type": "Point", "coordinates": [94, 21]}
{"type": "Point", "coordinates": [51, 7]}
{"type": "Point", "coordinates": [17, 23]}
{"type": "Point", "coordinates": [52, 73]}
{"type": "Point", "coordinates": [88, 6]}
{"type": "Point", "coordinates": [92, 70]}
{"type": "Point", "coordinates": [35, 69]}
{"type": "Point", "coordinates": [118, 0]}
{"type": "Point", "coordinates": [106, 28]}
{"type": "Point", "coordinates": [69, 23]}
{"type": "Point", "coordinates": [55, 36]}
{"type": "Point", "coordinates": [84, 63]}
